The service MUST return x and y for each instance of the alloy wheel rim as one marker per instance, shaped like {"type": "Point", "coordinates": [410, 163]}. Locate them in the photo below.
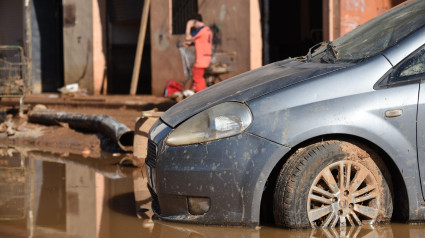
{"type": "Point", "coordinates": [344, 193]}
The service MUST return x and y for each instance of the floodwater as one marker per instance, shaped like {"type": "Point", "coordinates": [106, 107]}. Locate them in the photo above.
{"type": "Point", "coordinates": [65, 195]}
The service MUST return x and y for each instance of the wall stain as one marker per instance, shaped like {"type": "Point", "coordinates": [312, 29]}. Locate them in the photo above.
{"type": "Point", "coordinates": [353, 5]}
{"type": "Point", "coordinates": [222, 13]}
{"type": "Point", "coordinates": [161, 41]}
{"type": "Point", "coordinates": [88, 53]}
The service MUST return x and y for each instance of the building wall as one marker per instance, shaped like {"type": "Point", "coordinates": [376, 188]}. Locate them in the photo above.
{"type": "Point", "coordinates": [356, 12]}
{"type": "Point", "coordinates": [83, 42]}
{"type": "Point", "coordinates": [234, 21]}
{"type": "Point", "coordinates": [99, 46]}
{"type": "Point", "coordinates": [78, 43]}
{"type": "Point", "coordinates": [342, 16]}
{"type": "Point", "coordinates": [256, 41]}
{"type": "Point", "coordinates": [11, 22]}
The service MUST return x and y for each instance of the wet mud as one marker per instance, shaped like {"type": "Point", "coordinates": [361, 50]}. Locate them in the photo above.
{"type": "Point", "coordinates": [67, 195]}
{"type": "Point", "coordinates": [62, 138]}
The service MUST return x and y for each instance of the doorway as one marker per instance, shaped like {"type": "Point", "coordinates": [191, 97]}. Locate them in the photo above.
{"type": "Point", "coordinates": [123, 29]}
{"type": "Point", "coordinates": [47, 44]}
{"type": "Point", "coordinates": [290, 28]}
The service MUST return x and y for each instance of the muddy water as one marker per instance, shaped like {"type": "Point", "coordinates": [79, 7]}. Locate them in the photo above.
{"type": "Point", "coordinates": [52, 195]}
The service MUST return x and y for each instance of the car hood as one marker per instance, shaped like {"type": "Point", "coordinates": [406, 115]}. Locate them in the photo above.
{"type": "Point", "coordinates": [247, 86]}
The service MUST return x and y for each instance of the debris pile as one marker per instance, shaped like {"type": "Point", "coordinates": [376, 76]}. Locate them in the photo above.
{"type": "Point", "coordinates": [10, 127]}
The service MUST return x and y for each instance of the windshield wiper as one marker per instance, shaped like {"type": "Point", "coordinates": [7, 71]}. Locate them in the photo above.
{"type": "Point", "coordinates": [330, 48]}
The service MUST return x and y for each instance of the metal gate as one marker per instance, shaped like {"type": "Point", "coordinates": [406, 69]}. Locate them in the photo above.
{"type": "Point", "coordinates": [13, 76]}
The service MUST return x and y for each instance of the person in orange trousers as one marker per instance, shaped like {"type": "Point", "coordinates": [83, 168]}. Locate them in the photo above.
{"type": "Point", "coordinates": [202, 38]}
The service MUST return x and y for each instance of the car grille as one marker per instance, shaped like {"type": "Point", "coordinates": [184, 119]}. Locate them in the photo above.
{"type": "Point", "coordinates": [151, 157]}
{"type": "Point", "coordinates": [155, 202]}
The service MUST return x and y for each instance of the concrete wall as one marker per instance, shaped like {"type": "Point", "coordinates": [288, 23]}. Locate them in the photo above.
{"type": "Point", "coordinates": [99, 45]}
{"type": "Point", "coordinates": [239, 32]}
{"type": "Point", "coordinates": [256, 41]}
{"type": "Point", "coordinates": [78, 43]}
{"type": "Point", "coordinates": [356, 12]}
{"type": "Point", "coordinates": [84, 58]}
{"type": "Point", "coordinates": [342, 16]}
{"type": "Point", "coordinates": [35, 42]}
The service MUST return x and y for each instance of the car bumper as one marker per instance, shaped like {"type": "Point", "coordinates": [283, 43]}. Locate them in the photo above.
{"type": "Point", "coordinates": [218, 182]}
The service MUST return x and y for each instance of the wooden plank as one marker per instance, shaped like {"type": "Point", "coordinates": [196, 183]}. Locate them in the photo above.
{"type": "Point", "coordinates": [140, 44]}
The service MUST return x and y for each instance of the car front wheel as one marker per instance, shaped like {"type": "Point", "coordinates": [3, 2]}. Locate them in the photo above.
{"type": "Point", "coordinates": [332, 183]}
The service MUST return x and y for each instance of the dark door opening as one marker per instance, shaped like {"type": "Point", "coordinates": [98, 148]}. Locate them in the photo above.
{"type": "Point", "coordinates": [123, 29]}
{"type": "Point", "coordinates": [47, 44]}
{"type": "Point", "coordinates": [290, 28]}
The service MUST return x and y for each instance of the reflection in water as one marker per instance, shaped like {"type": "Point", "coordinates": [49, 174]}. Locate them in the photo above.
{"type": "Point", "coordinates": [13, 186]}
{"type": "Point", "coordinates": [52, 195]}
{"type": "Point", "coordinates": [45, 194]}
{"type": "Point", "coordinates": [163, 230]}
{"type": "Point", "coordinates": [354, 232]}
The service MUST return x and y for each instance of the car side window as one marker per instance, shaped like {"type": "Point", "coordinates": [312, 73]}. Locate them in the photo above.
{"type": "Point", "coordinates": [412, 68]}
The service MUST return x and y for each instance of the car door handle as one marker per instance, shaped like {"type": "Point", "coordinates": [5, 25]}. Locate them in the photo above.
{"type": "Point", "coordinates": [393, 113]}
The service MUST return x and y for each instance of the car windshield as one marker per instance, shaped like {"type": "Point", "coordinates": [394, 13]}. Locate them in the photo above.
{"type": "Point", "coordinates": [374, 36]}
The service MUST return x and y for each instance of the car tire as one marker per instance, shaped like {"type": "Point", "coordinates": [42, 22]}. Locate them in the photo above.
{"type": "Point", "coordinates": [309, 193]}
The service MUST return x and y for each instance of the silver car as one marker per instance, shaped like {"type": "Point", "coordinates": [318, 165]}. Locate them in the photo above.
{"type": "Point", "coordinates": [333, 138]}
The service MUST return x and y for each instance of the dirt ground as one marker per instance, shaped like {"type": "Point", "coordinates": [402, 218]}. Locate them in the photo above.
{"type": "Point", "coordinates": [60, 138]}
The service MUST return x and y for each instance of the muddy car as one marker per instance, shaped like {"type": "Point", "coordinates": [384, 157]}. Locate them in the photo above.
{"type": "Point", "coordinates": [332, 138]}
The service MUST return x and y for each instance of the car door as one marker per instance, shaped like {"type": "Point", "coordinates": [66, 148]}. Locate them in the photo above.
{"type": "Point", "coordinates": [412, 71]}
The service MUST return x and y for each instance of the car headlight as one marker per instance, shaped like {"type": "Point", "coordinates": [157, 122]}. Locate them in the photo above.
{"type": "Point", "coordinates": [223, 120]}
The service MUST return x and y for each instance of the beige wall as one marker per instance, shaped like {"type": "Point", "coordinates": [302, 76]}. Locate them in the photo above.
{"type": "Point", "coordinates": [238, 31]}
{"type": "Point", "coordinates": [84, 60]}
{"type": "Point", "coordinates": [78, 43]}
